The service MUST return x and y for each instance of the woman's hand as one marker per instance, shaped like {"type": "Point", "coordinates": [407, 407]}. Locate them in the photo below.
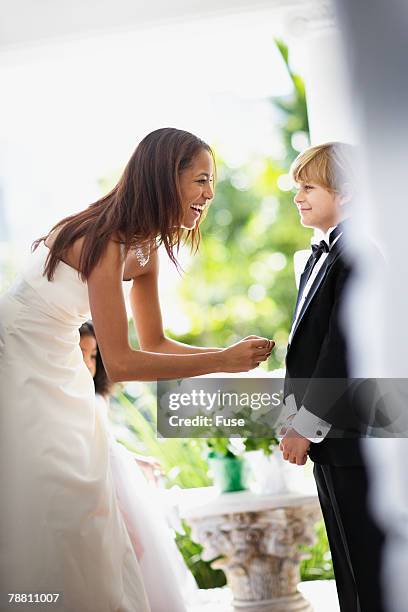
{"type": "Point", "coordinates": [246, 354]}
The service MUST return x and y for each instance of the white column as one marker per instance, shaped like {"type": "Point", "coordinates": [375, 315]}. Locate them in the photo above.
{"type": "Point", "coordinates": [314, 42]}
{"type": "Point", "coordinates": [315, 46]}
{"type": "Point", "coordinates": [375, 40]}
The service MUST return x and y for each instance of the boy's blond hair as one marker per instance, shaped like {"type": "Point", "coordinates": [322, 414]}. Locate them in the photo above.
{"type": "Point", "coordinates": [330, 165]}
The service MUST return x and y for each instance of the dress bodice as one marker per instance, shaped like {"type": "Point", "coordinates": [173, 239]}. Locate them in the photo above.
{"type": "Point", "coordinates": [65, 298]}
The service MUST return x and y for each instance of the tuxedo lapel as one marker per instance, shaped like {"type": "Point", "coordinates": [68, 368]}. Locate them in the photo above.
{"type": "Point", "coordinates": [331, 258]}
{"type": "Point", "coordinates": [303, 280]}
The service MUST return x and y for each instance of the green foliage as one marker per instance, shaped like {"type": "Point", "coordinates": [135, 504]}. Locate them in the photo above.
{"type": "Point", "coordinates": [219, 447]}
{"type": "Point", "coordinates": [222, 447]}
{"type": "Point", "coordinates": [201, 570]}
{"type": "Point", "coordinates": [318, 564]}
{"type": "Point", "coordinates": [183, 460]}
{"type": "Point", "coordinates": [293, 108]}
{"type": "Point", "coordinates": [242, 280]}
{"type": "Point", "coordinates": [264, 444]}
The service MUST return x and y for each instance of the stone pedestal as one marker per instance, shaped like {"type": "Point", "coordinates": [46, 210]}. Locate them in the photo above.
{"type": "Point", "coordinates": [257, 538]}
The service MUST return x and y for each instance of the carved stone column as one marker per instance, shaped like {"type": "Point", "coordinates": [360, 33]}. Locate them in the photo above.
{"type": "Point", "coordinates": [259, 547]}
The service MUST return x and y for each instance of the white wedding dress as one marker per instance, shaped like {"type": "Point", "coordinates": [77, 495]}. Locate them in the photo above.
{"type": "Point", "coordinates": [61, 528]}
{"type": "Point", "coordinates": [142, 509]}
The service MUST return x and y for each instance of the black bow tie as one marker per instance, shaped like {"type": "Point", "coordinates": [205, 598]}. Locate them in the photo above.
{"type": "Point", "coordinates": [319, 249]}
{"type": "Point", "coordinates": [323, 247]}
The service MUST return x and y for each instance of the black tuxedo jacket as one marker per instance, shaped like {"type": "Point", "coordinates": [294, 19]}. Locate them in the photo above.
{"type": "Point", "coordinates": [317, 365]}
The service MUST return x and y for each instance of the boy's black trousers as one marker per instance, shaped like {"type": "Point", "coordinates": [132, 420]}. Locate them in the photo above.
{"type": "Point", "coordinates": [355, 539]}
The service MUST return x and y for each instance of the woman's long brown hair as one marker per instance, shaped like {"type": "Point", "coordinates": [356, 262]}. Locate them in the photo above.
{"type": "Point", "coordinates": [143, 208]}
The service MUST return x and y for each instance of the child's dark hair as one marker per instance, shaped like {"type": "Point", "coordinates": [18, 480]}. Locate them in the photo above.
{"type": "Point", "coordinates": [103, 385]}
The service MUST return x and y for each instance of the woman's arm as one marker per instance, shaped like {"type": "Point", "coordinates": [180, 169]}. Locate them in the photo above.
{"type": "Point", "coordinates": [145, 304]}
{"type": "Point", "coordinates": [123, 363]}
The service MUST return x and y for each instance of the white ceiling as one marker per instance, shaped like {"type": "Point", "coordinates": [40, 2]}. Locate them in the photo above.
{"type": "Point", "coordinates": [27, 22]}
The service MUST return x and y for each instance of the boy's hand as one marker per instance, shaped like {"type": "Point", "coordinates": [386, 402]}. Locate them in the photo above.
{"type": "Point", "coordinates": [284, 429]}
{"type": "Point", "coordinates": [294, 447]}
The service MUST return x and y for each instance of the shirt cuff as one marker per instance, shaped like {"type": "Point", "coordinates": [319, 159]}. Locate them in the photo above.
{"type": "Point", "coordinates": [289, 409]}
{"type": "Point", "coordinates": [310, 426]}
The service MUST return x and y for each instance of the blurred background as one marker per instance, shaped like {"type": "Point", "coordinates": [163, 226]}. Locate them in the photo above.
{"type": "Point", "coordinates": [83, 83]}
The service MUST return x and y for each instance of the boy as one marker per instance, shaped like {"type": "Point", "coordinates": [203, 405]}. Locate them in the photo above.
{"type": "Point", "coordinates": [317, 350]}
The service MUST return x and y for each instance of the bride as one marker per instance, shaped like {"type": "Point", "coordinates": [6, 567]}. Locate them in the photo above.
{"type": "Point", "coordinates": [62, 533]}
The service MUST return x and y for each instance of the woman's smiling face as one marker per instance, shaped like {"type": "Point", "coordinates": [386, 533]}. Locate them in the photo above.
{"type": "Point", "coordinates": [196, 187]}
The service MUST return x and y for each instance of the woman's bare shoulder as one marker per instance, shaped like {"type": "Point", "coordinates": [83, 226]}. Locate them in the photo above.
{"type": "Point", "coordinates": [72, 255]}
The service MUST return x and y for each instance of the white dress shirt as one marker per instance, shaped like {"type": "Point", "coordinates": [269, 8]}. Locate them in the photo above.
{"type": "Point", "coordinates": [303, 421]}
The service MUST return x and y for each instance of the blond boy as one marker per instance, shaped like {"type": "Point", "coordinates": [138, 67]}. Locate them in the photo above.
{"type": "Point", "coordinates": [323, 420]}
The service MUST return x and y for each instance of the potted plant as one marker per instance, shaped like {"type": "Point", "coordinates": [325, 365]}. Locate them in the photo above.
{"type": "Point", "coordinates": [227, 467]}
{"type": "Point", "coordinates": [237, 463]}
{"type": "Point", "coordinates": [267, 467]}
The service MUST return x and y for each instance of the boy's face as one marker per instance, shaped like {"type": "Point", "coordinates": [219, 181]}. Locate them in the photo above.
{"type": "Point", "coordinates": [318, 207]}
